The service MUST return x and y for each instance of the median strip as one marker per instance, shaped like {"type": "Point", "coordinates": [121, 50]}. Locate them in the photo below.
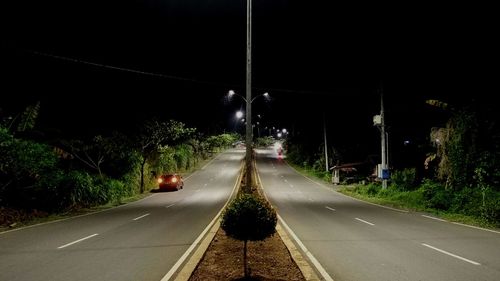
{"type": "Point", "coordinates": [77, 241]}
{"type": "Point", "coordinates": [450, 254]}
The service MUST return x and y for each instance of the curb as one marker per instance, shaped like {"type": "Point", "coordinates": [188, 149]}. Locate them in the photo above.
{"type": "Point", "coordinates": [190, 265]}
{"type": "Point", "coordinates": [298, 258]}
{"type": "Point", "coordinates": [195, 259]}
{"type": "Point", "coordinates": [304, 266]}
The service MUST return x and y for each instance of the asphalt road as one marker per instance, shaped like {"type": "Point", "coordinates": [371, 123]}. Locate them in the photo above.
{"type": "Point", "coordinates": [138, 241]}
{"type": "Point", "coordinates": [358, 241]}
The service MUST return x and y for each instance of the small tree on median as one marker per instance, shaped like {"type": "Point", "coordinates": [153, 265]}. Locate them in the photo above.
{"type": "Point", "coordinates": [249, 218]}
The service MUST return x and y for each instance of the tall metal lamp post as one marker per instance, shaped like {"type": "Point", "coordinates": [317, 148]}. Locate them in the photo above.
{"type": "Point", "coordinates": [249, 130]}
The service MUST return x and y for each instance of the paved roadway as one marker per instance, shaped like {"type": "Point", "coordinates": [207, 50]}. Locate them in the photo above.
{"type": "Point", "coordinates": [354, 240]}
{"type": "Point", "coordinates": [138, 241]}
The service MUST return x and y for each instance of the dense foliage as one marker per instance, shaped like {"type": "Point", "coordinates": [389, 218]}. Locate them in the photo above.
{"type": "Point", "coordinates": [460, 173]}
{"type": "Point", "coordinates": [47, 175]}
{"type": "Point", "coordinates": [249, 218]}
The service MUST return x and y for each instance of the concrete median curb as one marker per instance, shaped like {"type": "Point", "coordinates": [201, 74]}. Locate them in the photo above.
{"type": "Point", "coordinates": [195, 259]}
{"type": "Point", "coordinates": [303, 264]}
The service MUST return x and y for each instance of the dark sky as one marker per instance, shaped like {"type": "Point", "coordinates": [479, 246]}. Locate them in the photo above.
{"type": "Point", "coordinates": [96, 65]}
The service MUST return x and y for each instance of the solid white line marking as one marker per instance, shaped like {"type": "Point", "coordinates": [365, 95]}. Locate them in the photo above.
{"type": "Point", "coordinates": [364, 221]}
{"type": "Point", "coordinates": [450, 254]}
{"type": "Point", "coordinates": [176, 266]}
{"type": "Point", "coordinates": [203, 168]}
{"type": "Point", "coordinates": [315, 262]}
{"type": "Point", "coordinates": [433, 218]}
{"type": "Point", "coordinates": [138, 218]}
{"type": "Point", "coordinates": [169, 206]}
{"type": "Point", "coordinates": [79, 240]}
{"type": "Point", "coordinates": [331, 209]}
{"type": "Point", "coordinates": [475, 227]}
{"type": "Point", "coordinates": [353, 198]}
{"type": "Point", "coordinates": [79, 216]}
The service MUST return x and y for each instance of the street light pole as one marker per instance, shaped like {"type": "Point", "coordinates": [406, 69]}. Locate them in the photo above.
{"type": "Point", "coordinates": [326, 146]}
{"type": "Point", "coordinates": [383, 141]}
{"type": "Point", "coordinates": [379, 121]}
{"type": "Point", "coordinates": [249, 131]}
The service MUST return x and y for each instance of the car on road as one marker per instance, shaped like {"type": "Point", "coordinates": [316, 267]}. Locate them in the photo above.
{"type": "Point", "coordinates": [170, 182]}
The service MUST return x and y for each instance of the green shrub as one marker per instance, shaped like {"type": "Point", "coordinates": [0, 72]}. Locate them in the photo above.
{"type": "Point", "coordinates": [405, 179]}
{"type": "Point", "coordinates": [435, 195]}
{"type": "Point", "coordinates": [370, 189]}
{"type": "Point", "coordinates": [249, 218]}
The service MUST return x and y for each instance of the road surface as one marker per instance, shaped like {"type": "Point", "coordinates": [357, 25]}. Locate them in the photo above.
{"type": "Point", "coordinates": [138, 241]}
{"type": "Point", "coordinates": [353, 240]}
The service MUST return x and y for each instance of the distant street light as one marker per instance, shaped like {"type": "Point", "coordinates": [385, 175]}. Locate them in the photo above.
{"type": "Point", "coordinates": [249, 129]}
{"type": "Point", "coordinates": [232, 93]}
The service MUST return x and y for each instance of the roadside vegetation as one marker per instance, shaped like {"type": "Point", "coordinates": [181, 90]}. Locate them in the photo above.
{"type": "Point", "coordinates": [43, 177]}
{"type": "Point", "coordinates": [458, 177]}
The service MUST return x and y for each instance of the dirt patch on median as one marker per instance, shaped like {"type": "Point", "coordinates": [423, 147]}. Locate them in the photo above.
{"type": "Point", "coordinates": [268, 260]}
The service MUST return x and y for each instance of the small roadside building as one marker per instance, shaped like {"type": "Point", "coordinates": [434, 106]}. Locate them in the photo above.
{"type": "Point", "coordinates": [352, 172]}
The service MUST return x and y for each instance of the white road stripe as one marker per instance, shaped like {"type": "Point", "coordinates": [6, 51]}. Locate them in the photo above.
{"type": "Point", "coordinates": [79, 240]}
{"type": "Point", "coordinates": [450, 254]}
{"type": "Point", "coordinates": [364, 221]}
{"type": "Point", "coordinates": [429, 217]}
{"type": "Point", "coordinates": [169, 206]}
{"type": "Point", "coordinates": [331, 209]}
{"type": "Point", "coordinates": [475, 227]}
{"type": "Point", "coordinates": [138, 218]}
{"type": "Point", "coordinates": [315, 262]}
{"type": "Point", "coordinates": [176, 266]}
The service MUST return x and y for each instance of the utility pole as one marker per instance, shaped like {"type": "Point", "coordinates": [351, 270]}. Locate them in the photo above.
{"type": "Point", "coordinates": [249, 130]}
{"type": "Point", "coordinates": [326, 146]}
{"type": "Point", "coordinates": [379, 121]}
{"type": "Point", "coordinates": [383, 141]}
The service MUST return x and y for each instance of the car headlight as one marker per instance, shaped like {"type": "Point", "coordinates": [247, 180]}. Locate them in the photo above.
{"type": "Point", "coordinates": [160, 180]}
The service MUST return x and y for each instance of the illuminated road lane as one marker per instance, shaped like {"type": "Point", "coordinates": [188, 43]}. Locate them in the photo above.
{"type": "Point", "coordinates": [138, 241]}
{"type": "Point", "coordinates": [353, 240]}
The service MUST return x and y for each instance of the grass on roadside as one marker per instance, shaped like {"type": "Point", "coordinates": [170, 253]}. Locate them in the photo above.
{"type": "Point", "coordinates": [405, 200]}
{"type": "Point", "coordinates": [21, 218]}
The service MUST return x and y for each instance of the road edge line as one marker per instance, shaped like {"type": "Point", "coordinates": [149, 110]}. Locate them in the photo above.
{"type": "Point", "coordinates": [314, 261]}
{"type": "Point", "coordinates": [205, 237]}
{"type": "Point", "coordinates": [305, 268]}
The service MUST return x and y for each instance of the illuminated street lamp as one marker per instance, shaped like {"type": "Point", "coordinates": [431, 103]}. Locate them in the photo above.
{"type": "Point", "coordinates": [249, 130]}
{"type": "Point", "coordinates": [232, 93]}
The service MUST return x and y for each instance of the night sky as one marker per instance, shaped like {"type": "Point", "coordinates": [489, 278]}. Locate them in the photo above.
{"type": "Point", "coordinates": [103, 65]}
